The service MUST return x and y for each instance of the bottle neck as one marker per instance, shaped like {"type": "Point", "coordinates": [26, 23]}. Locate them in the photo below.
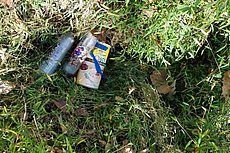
{"type": "Point", "coordinates": [90, 44]}
{"type": "Point", "coordinates": [89, 41]}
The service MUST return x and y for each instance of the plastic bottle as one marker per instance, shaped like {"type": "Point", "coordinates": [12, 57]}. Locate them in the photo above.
{"type": "Point", "coordinates": [80, 53]}
{"type": "Point", "coordinates": [49, 66]}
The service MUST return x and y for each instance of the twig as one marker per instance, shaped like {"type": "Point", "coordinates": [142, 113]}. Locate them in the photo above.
{"type": "Point", "coordinates": [183, 129]}
{"type": "Point", "coordinates": [25, 114]}
{"type": "Point", "coordinates": [35, 122]}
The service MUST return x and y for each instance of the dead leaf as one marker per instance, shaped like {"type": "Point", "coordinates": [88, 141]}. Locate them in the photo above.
{"type": "Point", "coordinates": [144, 67]}
{"type": "Point", "coordinates": [226, 85]}
{"type": "Point", "coordinates": [61, 104]}
{"type": "Point", "coordinates": [158, 77]}
{"type": "Point", "coordinates": [81, 112]}
{"type": "Point", "coordinates": [125, 148]}
{"type": "Point", "coordinates": [159, 80]}
{"type": "Point", "coordinates": [164, 89]}
{"type": "Point", "coordinates": [8, 3]}
{"type": "Point", "coordinates": [6, 87]}
{"type": "Point", "coordinates": [107, 147]}
{"type": "Point", "coordinates": [102, 142]}
{"type": "Point", "coordinates": [56, 150]}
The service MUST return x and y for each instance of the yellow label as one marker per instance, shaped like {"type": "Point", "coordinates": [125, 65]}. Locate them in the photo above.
{"type": "Point", "coordinates": [101, 55]}
{"type": "Point", "coordinates": [87, 75]}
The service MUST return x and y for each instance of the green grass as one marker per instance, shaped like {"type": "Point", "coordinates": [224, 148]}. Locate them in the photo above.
{"type": "Point", "coordinates": [171, 30]}
{"type": "Point", "coordinates": [145, 36]}
{"type": "Point", "coordinates": [113, 115]}
{"type": "Point", "coordinates": [202, 110]}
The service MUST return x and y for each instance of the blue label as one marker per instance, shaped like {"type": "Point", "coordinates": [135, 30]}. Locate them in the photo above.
{"type": "Point", "coordinates": [101, 46]}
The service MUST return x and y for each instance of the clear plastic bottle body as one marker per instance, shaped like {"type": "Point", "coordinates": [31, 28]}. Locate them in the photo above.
{"type": "Point", "coordinates": [50, 65]}
{"type": "Point", "coordinates": [78, 56]}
